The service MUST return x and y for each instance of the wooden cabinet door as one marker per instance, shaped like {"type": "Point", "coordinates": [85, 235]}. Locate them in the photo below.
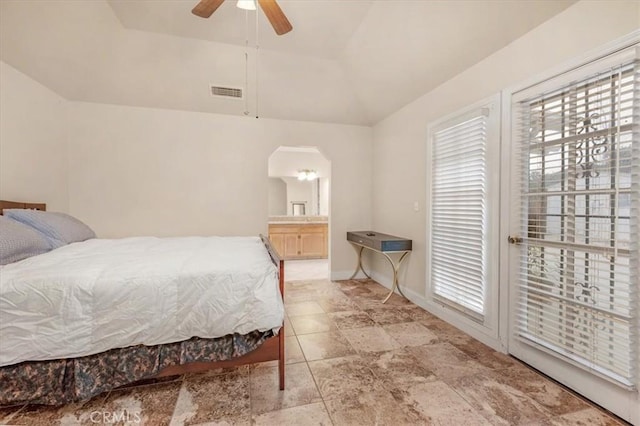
{"type": "Point", "coordinates": [291, 246]}
{"type": "Point", "coordinates": [312, 244]}
{"type": "Point", "coordinates": [304, 241]}
{"type": "Point", "coordinates": [277, 241]}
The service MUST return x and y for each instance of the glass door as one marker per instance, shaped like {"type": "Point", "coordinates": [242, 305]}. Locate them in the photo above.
{"type": "Point", "coordinates": [574, 232]}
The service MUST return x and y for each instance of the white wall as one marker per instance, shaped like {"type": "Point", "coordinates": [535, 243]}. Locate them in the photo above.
{"type": "Point", "coordinates": [277, 197]}
{"type": "Point", "coordinates": [324, 197]}
{"type": "Point", "coordinates": [137, 171]}
{"type": "Point", "coordinates": [287, 163]}
{"type": "Point", "coordinates": [33, 155]}
{"type": "Point", "coordinates": [399, 152]}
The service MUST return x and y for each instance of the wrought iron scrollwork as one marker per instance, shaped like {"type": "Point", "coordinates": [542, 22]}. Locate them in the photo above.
{"type": "Point", "coordinates": [589, 319]}
{"type": "Point", "coordinates": [589, 148]}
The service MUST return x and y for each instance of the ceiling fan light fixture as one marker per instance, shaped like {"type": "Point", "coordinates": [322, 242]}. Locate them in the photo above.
{"type": "Point", "coordinates": [246, 4]}
{"type": "Point", "coordinates": [272, 11]}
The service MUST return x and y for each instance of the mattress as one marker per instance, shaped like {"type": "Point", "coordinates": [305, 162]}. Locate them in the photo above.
{"type": "Point", "coordinates": [89, 297]}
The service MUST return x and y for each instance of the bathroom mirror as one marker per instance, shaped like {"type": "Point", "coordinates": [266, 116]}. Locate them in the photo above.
{"type": "Point", "coordinates": [290, 197]}
{"type": "Point", "coordinates": [298, 182]}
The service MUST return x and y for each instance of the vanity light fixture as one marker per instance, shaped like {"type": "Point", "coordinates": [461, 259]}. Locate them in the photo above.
{"type": "Point", "coordinates": [307, 174]}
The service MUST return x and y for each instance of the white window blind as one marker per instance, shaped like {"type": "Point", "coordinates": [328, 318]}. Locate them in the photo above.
{"type": "Point", "coordinates": [459, 214]}
{"type": "Point", "coordinates": [578, 279]}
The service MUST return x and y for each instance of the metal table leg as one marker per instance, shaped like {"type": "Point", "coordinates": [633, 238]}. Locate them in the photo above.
{"type": "Point", "coordinates": [395, 267]}
{"type": "Point", "coordinates": [359, 266]}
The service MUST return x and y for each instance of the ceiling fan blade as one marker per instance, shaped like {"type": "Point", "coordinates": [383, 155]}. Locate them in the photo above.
{"type": "Point", "coordinates": [205, 8]}
{"type": "Point", "coordinates": [276, 16]}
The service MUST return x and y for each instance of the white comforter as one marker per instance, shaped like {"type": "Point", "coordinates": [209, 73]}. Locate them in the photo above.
{"type": "Point", "coordinates": [89, 297]}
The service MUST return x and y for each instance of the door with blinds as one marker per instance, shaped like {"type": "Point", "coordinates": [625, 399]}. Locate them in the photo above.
{"type": "Point", "coordinates": [574, 258]}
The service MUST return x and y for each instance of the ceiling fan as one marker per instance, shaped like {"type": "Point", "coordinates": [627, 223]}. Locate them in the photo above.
{"type": "Point", "coordinates": [274, 14]}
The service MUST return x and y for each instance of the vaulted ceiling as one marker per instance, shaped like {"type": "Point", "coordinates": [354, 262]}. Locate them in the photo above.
{"type": "Point", "coordinates": [348, 61]}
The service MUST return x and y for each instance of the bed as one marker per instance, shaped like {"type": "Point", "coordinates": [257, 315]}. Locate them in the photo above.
{"type": "Point", "coordinates": [99, 314]}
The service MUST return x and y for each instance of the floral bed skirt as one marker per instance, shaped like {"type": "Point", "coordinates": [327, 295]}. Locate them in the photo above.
{"type": "Point", "coordinates": [62, 381]}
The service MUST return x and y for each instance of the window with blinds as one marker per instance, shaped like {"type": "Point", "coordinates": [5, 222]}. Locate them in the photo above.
{"type": "Point", "coordinates": [459, 214]}
{"type": "Point", "coordinates": [578, 279]}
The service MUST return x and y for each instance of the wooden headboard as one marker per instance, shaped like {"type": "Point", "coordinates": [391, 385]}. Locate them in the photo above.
{"type": "Point", "coordinates": [17, 205]}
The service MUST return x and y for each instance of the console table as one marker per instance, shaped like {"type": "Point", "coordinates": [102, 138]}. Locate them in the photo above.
{"type": "Point", "coordinates": [385, 245]}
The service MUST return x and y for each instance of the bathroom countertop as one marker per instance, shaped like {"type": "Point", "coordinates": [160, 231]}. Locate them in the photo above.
{"type": "Point", "coordinates": [298, 220]}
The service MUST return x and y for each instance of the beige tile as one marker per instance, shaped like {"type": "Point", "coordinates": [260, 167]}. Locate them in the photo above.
{"type": "Point", "coordinates": [240, 420]}
{"type": "Point", "coordinates": [351, 319]}
{"type": "Point", "coordinates": [388, 315]}
{"type": "Point", "coordinates": [354, 288]}
{"type": "Point", "coordinates": [300, 295]}
{"type": "Point", "coordinates": [293, 355]}
{"type": "Point", "coordinates": [397, 369]}
{"type": "Point", "coordinates": [292, 351]}
{"type": "Point", "coordinates": [416, 313]}
{"type": "Point", "coordinates": [75, 413]}
{"type": "Point", "coordinates": [587, 417]}
{"type": "Point", "coordinates": [316, 323]}
{"type": "Point", "coordinates": [336, 304]}
{"type": "Point", "coordinates": [341, 377]}
{"type": "Point", "coordinates": [290, 285]}
{"type": "Point", "coordinates": [303, 308]}
{"type": "Point", "coordinates": [368, 301]}
{"type": "Point", "coordinates": [370, 339]}
{"type": "Point", "coordinates": [219, 398]}
{"type": "Point", "coordinates": [329, 289]}
{"type": "Point", "coordinates": [439, 404]}
{"type": "Point", "coordinates": [147, 405]}
{"type": "Point", "coordinates": [446, 332]}
{"type": "Point", "coordinates": [484, 354]}
{"type": "Point", "coordinates": [312, 414]}
{"type": "Point", "coordinates": [300, 388]}
{"type": "Point", "coordinates": [325, 345]}
{"type": "Point", "coordinates": [371, 408]}
{"type": "Point", "coordinates": [500, 403]}
{"type": "Point", "coordinates": [555, 399]}
{"type": "Point", "coordinates": [446, 361]}
{"type": "Point", "coordinates": [396, 300]}
{"type": "Point", "coordinates": [315, 269]}
{"type": "Point", "coordinates": [288, 328]}
{"type": "Point", "coordinates": [374, 286]}
{"type": "Point", "coordinates": [410, 334]}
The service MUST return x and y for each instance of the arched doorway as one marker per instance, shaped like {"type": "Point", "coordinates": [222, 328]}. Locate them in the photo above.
{"type": "Point", "coordinates": [299, 210]}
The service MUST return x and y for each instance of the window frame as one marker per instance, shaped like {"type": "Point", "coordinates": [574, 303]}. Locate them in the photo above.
{"type": "Point", "coordinates": [487, 330]}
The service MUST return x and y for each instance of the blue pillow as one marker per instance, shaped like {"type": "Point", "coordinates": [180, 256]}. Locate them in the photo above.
{"type": "Point", "coordinates": [59, 228]}
{"type": "Point", "coordinates": [18, 241]}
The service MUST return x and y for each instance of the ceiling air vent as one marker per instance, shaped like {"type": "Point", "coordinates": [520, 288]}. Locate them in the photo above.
{"type": "Point", "coordinates": [226, 92]}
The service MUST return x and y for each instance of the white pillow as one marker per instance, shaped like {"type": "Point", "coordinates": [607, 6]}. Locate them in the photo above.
{"type": "Point", "coordinates": [18, 241]}
{"type": "Point", "coordinates": [59, 228]}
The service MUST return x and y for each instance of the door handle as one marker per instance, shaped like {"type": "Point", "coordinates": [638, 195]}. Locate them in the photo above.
{"type": "Point", "coordinates": [514, 240]}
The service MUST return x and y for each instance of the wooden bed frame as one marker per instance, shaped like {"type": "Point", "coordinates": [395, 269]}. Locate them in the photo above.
{"type": "Point", "coordinates": [16, 205]}
{"type": "Point", "coordinates": [271, 350]}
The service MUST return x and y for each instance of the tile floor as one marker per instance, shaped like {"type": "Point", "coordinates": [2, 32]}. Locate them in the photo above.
{"type": "Point", "coordinates": [312, 269]}
{"type": "Point", "coordinates": [350, 361]}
